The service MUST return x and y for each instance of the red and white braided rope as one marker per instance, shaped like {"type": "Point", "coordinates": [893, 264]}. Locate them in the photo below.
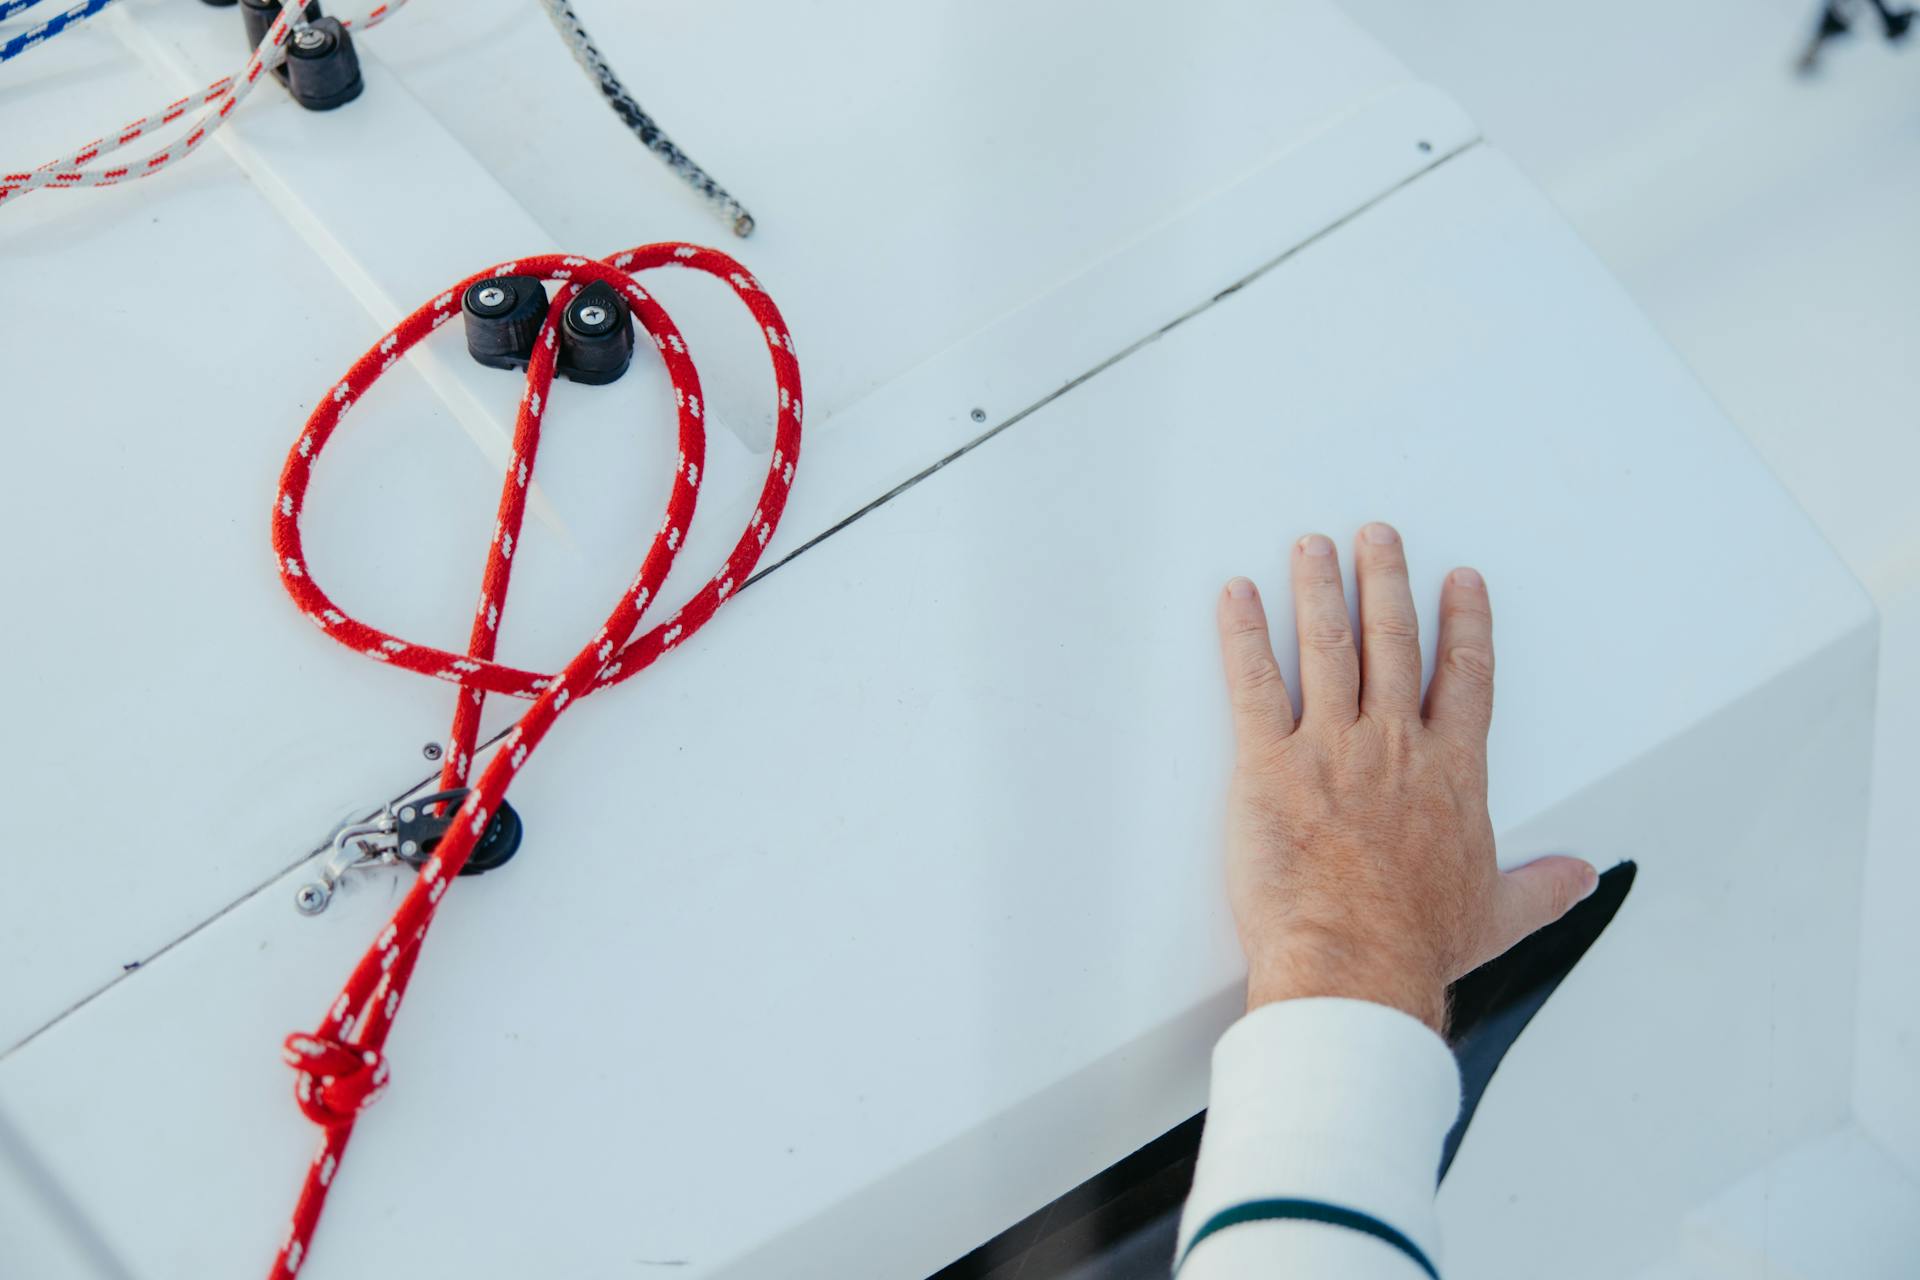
{"type": "Point", "coordinates": [222, 96]}
{"type": "Point", "coordinates": [340, 1063]}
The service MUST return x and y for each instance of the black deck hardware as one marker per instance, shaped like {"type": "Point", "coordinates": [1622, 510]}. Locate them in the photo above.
{"type": "Point", "coordinates": [324, 70]}
{"type": "Point", "coordinates": [503, 316]}
{"type": "Point", "coordinates": [258, 16]}
{"type": "Point", "coordinates": [320, 70]}
{"type": "Point", "coordinates": [1836, 20]}
{"type": "Point", "coordinates": [596, 336]}
{"type": "Point", "coordinates": [421, 826]}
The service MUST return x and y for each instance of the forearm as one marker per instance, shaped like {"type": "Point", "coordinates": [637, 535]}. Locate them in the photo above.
{"type": "Point", "coordinates": [1363, 880]}
{"type": "Point", "coordinates": [1322, 1143]}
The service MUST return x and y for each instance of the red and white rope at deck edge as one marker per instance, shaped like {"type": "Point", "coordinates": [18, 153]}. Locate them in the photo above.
{"type": "Point", "coordinates": [222, 96]}
{"type": "Point", "coordinates": [340, 1063]}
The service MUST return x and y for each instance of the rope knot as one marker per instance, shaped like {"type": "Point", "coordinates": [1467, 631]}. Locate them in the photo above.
{"type": "Point", "coordinates": [337, 1081]}
{"type": "Point", "coordinates": [339, 1066]}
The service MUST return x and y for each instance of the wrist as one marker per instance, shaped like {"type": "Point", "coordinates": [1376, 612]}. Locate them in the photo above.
{"type": "Point", "coordinates": [1301, 968]}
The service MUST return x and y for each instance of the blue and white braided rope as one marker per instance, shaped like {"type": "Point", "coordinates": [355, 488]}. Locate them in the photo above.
{"type": "Point", "coordinates": [47, 30]}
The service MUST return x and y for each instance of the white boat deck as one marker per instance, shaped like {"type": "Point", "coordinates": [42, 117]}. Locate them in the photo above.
{"type": "Point", "coordinates": [963, 946]}
{"type": "Point", "coordinates": [1765, 224]}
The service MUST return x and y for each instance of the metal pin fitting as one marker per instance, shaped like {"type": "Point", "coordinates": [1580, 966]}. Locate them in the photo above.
{"type": "Point", "coordinates": [405, 832]}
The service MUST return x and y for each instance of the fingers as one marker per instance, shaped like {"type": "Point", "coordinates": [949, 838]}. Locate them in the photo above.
{"type": "Point", "coordinates": [1531, 897]}
{"type": "Point", "coordinates": [1329, 664]}
{"type": "Point", "coordinates": [1389, 631]}
{"type": "Point", "coordinates": [1262, 709]}
{"type": "Point", "coordinates": [1460, 700]}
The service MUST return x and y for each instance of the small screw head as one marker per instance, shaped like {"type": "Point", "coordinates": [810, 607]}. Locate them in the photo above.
{"type": "Point", "coordinates": [491, 296]}
{"type": "Point", "coordinates": [309, 38]}
{"type": "Point", "coordinates": [431, 751]}
{"type": "Point", "coordinates": [979, 415]}
{"type": "Point", "coordinates": [408, 848]}
{"type": "Point", "coordinates": [408, 813]}
{"type": "Point", "coordinates": [312, 898]}
{"type": "Point", "coordinates": [593, 317]}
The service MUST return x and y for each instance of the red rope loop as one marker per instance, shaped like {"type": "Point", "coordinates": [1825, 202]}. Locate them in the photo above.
{"type": "Point", "coordinates": [341, 1065]}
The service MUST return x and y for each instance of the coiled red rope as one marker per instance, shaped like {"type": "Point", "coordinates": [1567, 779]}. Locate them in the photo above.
{"type": "Point", "coordinates": [341, 1064]}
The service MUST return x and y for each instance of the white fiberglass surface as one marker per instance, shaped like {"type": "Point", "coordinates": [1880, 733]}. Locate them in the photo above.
{"type": "Point", "coordinates": [236, 286]}
{"type": "Point", "coordinates": [812, 915]}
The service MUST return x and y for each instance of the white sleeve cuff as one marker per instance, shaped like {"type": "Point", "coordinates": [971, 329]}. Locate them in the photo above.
{"type": "Point", "coordinates": [1340, 1102]}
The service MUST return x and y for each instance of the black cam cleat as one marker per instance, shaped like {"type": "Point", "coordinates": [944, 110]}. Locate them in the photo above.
{"type": "Point", "coordinates": [503, 315]}
{"type": "Point", "coordinates": [596, 336]}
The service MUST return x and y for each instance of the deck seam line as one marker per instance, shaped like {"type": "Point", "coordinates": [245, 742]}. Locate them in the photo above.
{"type": "Point", "coordinates": [818, 538]}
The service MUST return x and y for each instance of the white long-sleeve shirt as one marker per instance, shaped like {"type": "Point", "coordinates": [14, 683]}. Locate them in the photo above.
{"type": "Point", "coordinates": [1322, 1143]}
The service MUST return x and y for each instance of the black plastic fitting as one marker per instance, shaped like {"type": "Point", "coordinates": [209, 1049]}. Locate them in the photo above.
{"type": "Point", "coordinates": [596, 336]}
{"type": "Point", "coordinates": [503, 315]}
{"type": "Point", "coordinates": [421, 824]}
{"type": "Point", "coordinates": [258, 15]}
{"type": "Point", "coordinates": [499, 842]}
{"type": "Point", "coordinates": [323, 69]}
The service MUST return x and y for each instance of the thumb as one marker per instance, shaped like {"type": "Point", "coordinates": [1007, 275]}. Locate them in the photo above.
{"type": "Point", "coordinates": [1533, 896]}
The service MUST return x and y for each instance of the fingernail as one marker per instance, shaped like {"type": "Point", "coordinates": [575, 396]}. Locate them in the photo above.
{"type": "Point", "coordinates": [1382, 534]}
{"type": "Point", "coordinates": [1466, 578]}
{"type": "Point", "coordinates": [1240, 589]}
{"type": "Point", "coordinates": [1316, 544]}
{"type": "Point", "coordinates": [1591, 881]}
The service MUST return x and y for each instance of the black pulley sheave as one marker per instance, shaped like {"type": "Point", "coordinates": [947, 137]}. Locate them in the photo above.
{"type": "Point", "coordinates": [419, 828]}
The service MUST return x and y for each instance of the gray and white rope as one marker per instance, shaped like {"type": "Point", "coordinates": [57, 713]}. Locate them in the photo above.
{"type": "Point", "coordinates": [642, 124]}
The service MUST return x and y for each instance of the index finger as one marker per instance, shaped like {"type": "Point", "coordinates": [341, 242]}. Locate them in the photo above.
{"type": "Point", "coordinates": [1262, 708]}
{"type": "Point", "coordinates": [1460, 699]}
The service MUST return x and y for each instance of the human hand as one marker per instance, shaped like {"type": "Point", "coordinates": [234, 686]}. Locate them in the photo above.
{"type": "Point", "coordinates": [1360, 857]}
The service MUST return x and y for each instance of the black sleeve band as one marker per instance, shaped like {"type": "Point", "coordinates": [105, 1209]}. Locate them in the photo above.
{"type": "Point", "coordinates": [1307, 1211]}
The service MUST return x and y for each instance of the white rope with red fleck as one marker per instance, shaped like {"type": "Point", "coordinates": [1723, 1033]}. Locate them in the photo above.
{"type": "Point", "coordinates": [341, 1064]}
{"type": "Point", "coordinates": [222, 96]}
